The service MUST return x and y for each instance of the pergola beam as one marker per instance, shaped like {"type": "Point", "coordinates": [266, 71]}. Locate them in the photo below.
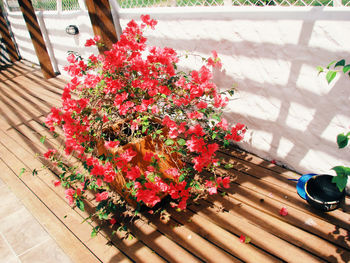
{"type": "Point", "coordinates": [5, 34]}
{"type": "Point", "coordinates": [102, 22]}
{"type": "Point", "coordinates": [37, 38]}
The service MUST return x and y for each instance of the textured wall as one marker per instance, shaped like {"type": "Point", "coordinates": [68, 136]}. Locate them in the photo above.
{"type": "Point", "coordinates": [271, 55]}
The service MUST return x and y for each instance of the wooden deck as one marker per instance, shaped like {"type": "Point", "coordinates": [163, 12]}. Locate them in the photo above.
{"type": "Point", "coordinates": [208, 231]}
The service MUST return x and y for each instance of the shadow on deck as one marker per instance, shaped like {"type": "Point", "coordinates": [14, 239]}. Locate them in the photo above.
{"type": "Point", "coordinates": [208, 231]}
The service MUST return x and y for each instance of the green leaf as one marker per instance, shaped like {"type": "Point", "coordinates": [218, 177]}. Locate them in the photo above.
{"type": "Point", "coordinates": [330, 75]}
{"type": "Point", "coordinates": [228, 166]}
{"type": "Point", "coordinates": [181, 178]}
{"type": "Point", "coordinates": [342, 170]}
{"type": "Point", "coordinates": [95, 230]}
{"type": "Point", "coordinates": [22, 171]}
{"type": "Point", "coordinates": [159, 131]}
{"type": "Point", "coordinates": [342, 140]}
{"type": "Point", "coordinates": [330, 64]}
{"type": "Point", "coordinates": [104, 216]}
{"type": "Point", "coordinates": [340, 181]}
{"type": "Point", "coordinates": [181, 142]}
{"type": "Point", "coordinates": [216, 117]}
{"type": "Point", "coordinates": [340, 63]}
{"type": "Point", "coordinates": [346, 68]}
{"type": "Point", "coordinates": [319, 69]}
{"type": "Point", "coordinates": [42, 139]}
{"type": "Point", "coordinates": [35, 172]}
{"type": "Point", "coordinates": [80, 205]}
{"type": "Point", "coordinates": [214, 136]}
{"type": "Point", "coordinates": [231, 92]}
{"type": "Point", "coordinates": [169, 142]}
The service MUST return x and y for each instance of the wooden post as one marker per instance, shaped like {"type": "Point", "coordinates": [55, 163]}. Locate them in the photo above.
{"type": "Point", "coordinates": [5, 33]}
{"type": "Point", "coordinates": [37, 38]}
{"type": "Point", "coordinates": [102, 22]}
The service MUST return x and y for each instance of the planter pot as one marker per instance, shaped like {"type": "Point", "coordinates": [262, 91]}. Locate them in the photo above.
{"type": "Point", "coordinates": [322, 194]}
{"type": "Point", "coordinates": [141, 147]}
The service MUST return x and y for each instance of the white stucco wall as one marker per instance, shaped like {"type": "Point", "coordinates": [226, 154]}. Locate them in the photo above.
{"type": "Point", "coordinates": [53, 26]}
{"type": "Point", "coordinates": [22, 37]}
{"type": "Point", "coordinates": [271, 54]}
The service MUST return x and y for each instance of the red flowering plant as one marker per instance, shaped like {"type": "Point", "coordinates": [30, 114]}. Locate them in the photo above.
{"type": "Point", "coordinates": [132, 92]}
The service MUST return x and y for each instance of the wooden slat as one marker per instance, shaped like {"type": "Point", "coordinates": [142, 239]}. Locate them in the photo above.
{"type": "Point", "coordinates": [190, 240]}
{"type": "Point", "coordinates": [5, 33]}
{"type": "Point", "coordinates": [102, 22]}
{"type": "Point", "coordinates": [228, 240]}
{"type": "Point", "coordinates": [62, 235]}
{"type": "Point", "coordinates": [276, 184]}
{"type": "Point", "coordinates": [303, 234]}
{"type": "Point", "coordinates": [207, 232]}
{"type": "Point", "coordinates": [17, 158]}
{"type": "Point", "coordinates": [37, 38]}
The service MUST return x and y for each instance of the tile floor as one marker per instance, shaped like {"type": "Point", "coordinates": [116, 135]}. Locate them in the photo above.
{"type": "Point", "coordinates": [22, 238]}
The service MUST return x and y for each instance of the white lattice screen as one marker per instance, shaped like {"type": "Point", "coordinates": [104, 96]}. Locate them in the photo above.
{"type": "Point", "coordinates": [46, 5]}
{"type": "Point", "coordinates": [174, 3]}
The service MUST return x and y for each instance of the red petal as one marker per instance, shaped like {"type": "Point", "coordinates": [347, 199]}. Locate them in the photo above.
{"type": "Point", "coordinates": [242, 239]}
{"type": "Point", "coordinates": [283, 211]}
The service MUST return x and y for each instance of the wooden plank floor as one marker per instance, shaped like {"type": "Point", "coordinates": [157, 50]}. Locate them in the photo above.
{"type": "Point", "coordinates": [207, 232]}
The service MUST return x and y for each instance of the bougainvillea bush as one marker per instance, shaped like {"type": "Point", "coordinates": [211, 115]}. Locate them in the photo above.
{"type": "Point", "coordinates": [129, 93]}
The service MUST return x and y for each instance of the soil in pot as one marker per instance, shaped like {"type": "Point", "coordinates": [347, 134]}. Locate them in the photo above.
{"type": "Point", "coordinates": [322, 193]}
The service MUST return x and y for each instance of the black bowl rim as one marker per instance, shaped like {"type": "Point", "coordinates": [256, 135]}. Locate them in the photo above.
{"type": "Point", "coordinates": [318, 201]}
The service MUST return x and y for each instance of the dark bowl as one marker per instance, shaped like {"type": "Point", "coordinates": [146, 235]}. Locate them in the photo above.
{"type": "Point", "coordinates": [322, 194]}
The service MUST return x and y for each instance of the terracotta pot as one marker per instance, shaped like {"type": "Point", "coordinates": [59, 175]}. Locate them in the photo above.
{"type": "Point", "coordinates": [142, 146]}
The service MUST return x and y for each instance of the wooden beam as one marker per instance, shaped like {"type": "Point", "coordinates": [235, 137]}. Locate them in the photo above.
{"type": "Point", "coordinates": [5, 33]}
{"type": "Point", "coordinates": [37, 38]}
{"type": "Point", "coordinates": [102, 22]}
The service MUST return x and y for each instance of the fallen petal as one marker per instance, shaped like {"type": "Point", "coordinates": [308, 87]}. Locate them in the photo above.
{"type": "Point", "coordinates": [283, 211]}
{"type": "Point", "coordinates": [242, 239]}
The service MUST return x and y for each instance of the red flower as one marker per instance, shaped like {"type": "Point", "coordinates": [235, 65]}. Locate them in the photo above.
{"type": "Point", "coordinates": [197, 130]}
{"type": "Point", "coordinates": [173, 172]}
{"type": "Point", "coordinates": [202, 105]}
{"type": "Point", "coordinates": [215, 60]}
{"type": "Point", "coordinates": [128, 155]}
{"type": "Point", "coordinates": [99, 182]}
{"type": "Point", "coordinates": [112, 221]}
{"type": "Point", "coordinates": [211, 186]}
{"type": "Point", "coordinates": [57, 183]}
{"type": "Point", "coordinates": [50, 153]}
{"type": "Point", "coordinates": [92, 41]}
{"type": "Point", "coordinates": [101, 196]}
{"type": "Point", "coordinates": [134, 173]}
{"type": "Point", "coordinates": [69, 195]}
{"type": "Point", "coordinates": [223, 124]}
{"type": "Point", "coordinates": [237, 132]}
{"type": "Point", "coordinates": [283, 211]}
{"type": "Point", "coordinates": [111, 144]}
{"type": "Point", "coordinates": [224, 181]}
{"type": "Point", "coordinates": [148, 21]}
{"type": "Point", "coordinates": [242, 239]}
